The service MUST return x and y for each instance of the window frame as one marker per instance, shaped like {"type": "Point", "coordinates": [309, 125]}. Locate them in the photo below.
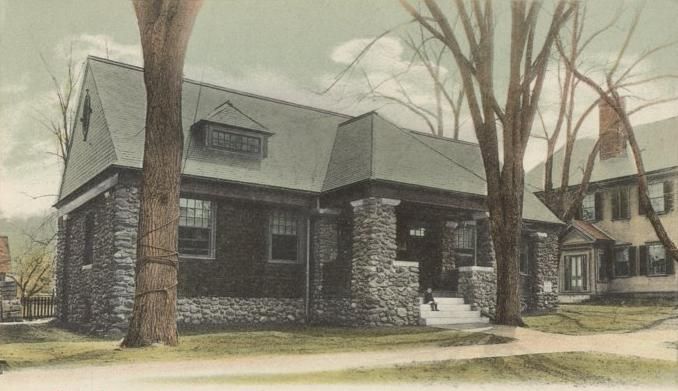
{"type": "Point", "coordinates": [602, 255]}
{"type": "Point", "coordinates": [666, 259]}
{"type": "Point", "coordinates": [298, 228]}
{"type": "Point", "coordinates": [661, 196]}
{"type": "Point", "coordinates": [591, 207]}
{"type": "Point", "coordinates": [466, 252]}
{"type": "Point", "coordinates": [230, 130]}
{"type": "Point", "coordinates": [584, 273]}
{"type": "Point", "coordinates": [627, 249]}
{"type": "Point", "coordinates": [526, 252]}
{"type": "Point", "coordinates": [212, 227]}
{"type": "Point", "coordinates": [616, 193]}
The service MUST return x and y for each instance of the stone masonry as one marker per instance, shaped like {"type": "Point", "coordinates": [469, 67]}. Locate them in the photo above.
{"type": "Point", "coordinates": [544, 272]}
{"type": "Point", "coordinates": [382, 292]}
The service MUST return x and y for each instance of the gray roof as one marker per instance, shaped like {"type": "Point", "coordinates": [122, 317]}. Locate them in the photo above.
{"type": "Point", "coordinates": [310, 149]}
{"type": "Point", "coordinates": [657, 140]}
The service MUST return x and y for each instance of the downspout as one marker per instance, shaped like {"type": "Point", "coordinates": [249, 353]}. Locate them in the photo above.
{"type": "Point", "coordinates": [307, 295]}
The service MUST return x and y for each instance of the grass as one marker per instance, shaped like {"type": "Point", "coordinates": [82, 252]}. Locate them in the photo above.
{"type": "Point", "coordinates": [570, 368]}
{"type": "Point", "coordinates": [39, 345]}
{"type": "Point", "coordinates": [583, 319]}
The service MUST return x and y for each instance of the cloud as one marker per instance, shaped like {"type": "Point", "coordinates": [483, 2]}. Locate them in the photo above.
{"type": "Point", "coordinates": [100, 45]}
{"type": "Point", "coordinates": [17, 87]}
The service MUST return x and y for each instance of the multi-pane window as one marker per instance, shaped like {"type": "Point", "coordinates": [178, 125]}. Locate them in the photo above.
{"type": "Point", "coordinates": [88, 256]}
{"type": "Point", "coordinates": [196, 227]}
{"type": "Point", "coordinates": [576, 276]}
{"type": "Point", "coordinates": [656, 259]}
{"type": "Point", "coordinates": [418, 232]}
{"type": "Point", "coordinates": [464, 243]}
{"type": "Point", "coordinates": [620, 203]}
{"type": "Point", "coordinates": [525, 257]}
{"type": "Point", "coordinates": [656, 193]}
{"type": "Point", "coordinates": [588, 207]}
{"type": "Point", "coordinates": [284, 240]}
{"type": "Point", "coordinates": [236, 142]}
{"type": "Point", "coordinates": [622, 264]}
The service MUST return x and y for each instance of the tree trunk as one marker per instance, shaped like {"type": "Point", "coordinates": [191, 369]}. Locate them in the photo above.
{"type": "Point", "coordinates": [165, 28]}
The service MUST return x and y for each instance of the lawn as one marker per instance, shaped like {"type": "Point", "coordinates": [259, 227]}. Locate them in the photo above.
{"type": "Point", "coordinates": [569, 368]}
{"type": "Point", "coordinates": [26, 346]}
{"type": "Point", "coordinates": [594, 318]}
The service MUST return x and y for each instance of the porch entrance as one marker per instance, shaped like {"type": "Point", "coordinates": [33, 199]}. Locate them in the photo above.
{"type": "Point", "coordinates": [575, 273]}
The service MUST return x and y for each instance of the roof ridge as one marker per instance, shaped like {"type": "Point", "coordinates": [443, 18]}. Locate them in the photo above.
{"type": "Point", "coordinates": [442, 138]}
{"type": "Point", "coordinates": [226, 89]}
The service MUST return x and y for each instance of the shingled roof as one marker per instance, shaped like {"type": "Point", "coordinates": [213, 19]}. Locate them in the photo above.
{"type": "Point", "coordinates": [5, 258]}
{"type": "Point", "coordinates": [657, 141]}
{"type": "Point", "coordinates": [310, 149]}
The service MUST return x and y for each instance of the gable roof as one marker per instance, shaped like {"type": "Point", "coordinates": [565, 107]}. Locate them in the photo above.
{"type": "Point", "coordinates": [310, 149]}
{"type": "Point", "coordinates": [591, 231]}
{"type": "Point", "coordinates": [5, 258]}
{"type": "Point", "coordinates": [656, 141]}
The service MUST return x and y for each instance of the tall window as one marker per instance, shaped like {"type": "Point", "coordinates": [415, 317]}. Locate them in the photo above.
{"type": "Point", "coordinates": [588, 207]}
{"type": "Point", "coordinates": [88, 255]}
{"type": "Point", "coordinates": [196, 227]}
{"type": "Point", "coordinates": [656, 259]}
{"type": "Point", "coordinates": [464, 244]}
{"type": "Point", "coordinates": [656, 193]}
{"type": "Point", "coordinates": [525, 256]}
{"type": "Point", "coordinates": [235, 142]}
{"type": "Point", "coordinates": [576, 267]}
{"type": "Point", "coordinates": [620, 203]}
{"type": "Point", "coordinates": [622, 264]}
{"type": "Point", "coordinates": [284, 239]}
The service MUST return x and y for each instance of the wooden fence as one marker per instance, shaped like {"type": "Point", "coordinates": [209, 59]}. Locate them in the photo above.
{"type": "Point", "coordinates": [37, 307]}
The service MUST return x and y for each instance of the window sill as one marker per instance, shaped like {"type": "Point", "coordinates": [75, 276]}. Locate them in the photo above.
{"type": "Point", "coordinates": [575, 292]}
{"type": "Point", "coordinates": [284, 261]}
{"type": "Point", "coordinates": [195, 258]}
{"type": "Point", "coordinates": [86, 267]}
{"type": "Point", "coordinates": [658, 275]}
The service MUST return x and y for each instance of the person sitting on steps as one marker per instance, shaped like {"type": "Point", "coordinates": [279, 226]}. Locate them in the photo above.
{"type": "Point", "coordinates": [428, 298]}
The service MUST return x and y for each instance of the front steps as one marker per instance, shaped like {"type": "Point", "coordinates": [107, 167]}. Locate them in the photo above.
{"type": "Point", "coordinates": [452, 310]}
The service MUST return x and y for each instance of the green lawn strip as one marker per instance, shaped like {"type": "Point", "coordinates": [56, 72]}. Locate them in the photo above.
{"type": "Point", "coordinates": [570, 368]}
{"type": "Point", "coordinates": [214, 345]}
{"type": "Point", "coordinates": [592, 319]}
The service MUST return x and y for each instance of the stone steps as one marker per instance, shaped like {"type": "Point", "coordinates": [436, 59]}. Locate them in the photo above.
{"type": "Point", "coordinates": [451, 311]}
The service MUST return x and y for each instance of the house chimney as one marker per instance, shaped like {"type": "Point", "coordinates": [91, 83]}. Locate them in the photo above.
{"type": "Point", "coordinates": [612, 136]}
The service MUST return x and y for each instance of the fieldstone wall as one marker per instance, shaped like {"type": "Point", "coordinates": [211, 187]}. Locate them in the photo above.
{"type": "Point", "coordinates": [478, 287]}
{"type": "Point", "coordinates": [544, 271]}
{"type": "Point", "coordinates": [382, 293]}
{"type": "Point", "coordinates": [206, 311]}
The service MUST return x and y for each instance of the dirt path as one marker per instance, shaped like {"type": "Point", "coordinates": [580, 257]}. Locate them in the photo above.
{"type": "Point", "coordinates": [650, 343]}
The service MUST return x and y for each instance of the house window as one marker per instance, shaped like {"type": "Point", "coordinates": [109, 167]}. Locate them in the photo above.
{"type": "Point", "coordinates": [622, 262]}
{"type": "Point", "coordinates": [524, 257]}
{"type": "Point", "coordinates": [88, 256]}
{"type": "Point", "coordinates": [235, 142]}
{"type": "Point", "coordinates": [418, 231]}
{"type": "Point", "coordinates": [656, 193]}
{"type": "Point", "coordinates": [620, 203]}
{"type": "Point", "coordinates": [576, 276]}
{"type": "Point", "coordinates": [656, 259]}
{"type": "Point", "coordinates": [464, 243]}
{"type": "Point", "coordinates": [588, 207]}
{"type": "Point", "coordinates": [601, 264]}
{"type": "Point", "coordinates": [196, 228]}
{"type": "Point", "coordinates": [284, 239]}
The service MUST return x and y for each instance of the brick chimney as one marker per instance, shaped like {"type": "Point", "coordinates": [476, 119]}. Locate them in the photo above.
{"type": "Point", "coordinates": [612, 136]}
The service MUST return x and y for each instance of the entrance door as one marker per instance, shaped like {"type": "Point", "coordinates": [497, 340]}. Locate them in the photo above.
{"type": "Point", "coordinates": [576, 277]}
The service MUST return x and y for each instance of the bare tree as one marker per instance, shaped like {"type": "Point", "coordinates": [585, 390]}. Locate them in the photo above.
{"type": "Point", "coordinates": [512, 122]}
{"type": "Point", "coordinates": [447, 92]}
{"type": "Point", "coordinates": [65, 91]}
{"type": "Point", "coordinates": [616, 78]}
{"type": "Point", "coordinates": [33, 271]}
{"type": "Point", "coordinates": [165, 28]}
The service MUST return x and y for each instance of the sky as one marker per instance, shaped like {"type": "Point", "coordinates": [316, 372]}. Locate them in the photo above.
{"type": "Point", "coordinates": [287, 49]}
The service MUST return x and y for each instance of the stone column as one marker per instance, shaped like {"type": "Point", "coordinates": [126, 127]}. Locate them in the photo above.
{"type": "Point", "coordinates": [383, 291]}
{"type": "Point", "coordinates": [544, 290]}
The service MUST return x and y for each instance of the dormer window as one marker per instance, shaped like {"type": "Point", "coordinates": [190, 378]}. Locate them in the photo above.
{"type": "Point", "coordinates": [235, 142]}
{"type": "Point", "coordinates": [232, 140]}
